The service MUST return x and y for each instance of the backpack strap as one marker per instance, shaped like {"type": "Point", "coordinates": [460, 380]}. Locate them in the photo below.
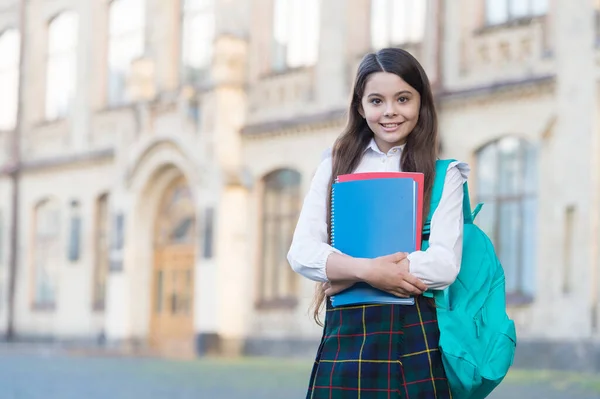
{"type": "Point", "coordinates": [441, 167]}
{"type": "Point", "coordinates": [442, 297]}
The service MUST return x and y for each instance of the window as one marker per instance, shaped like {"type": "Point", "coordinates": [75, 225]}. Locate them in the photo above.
{"type": "Point", "coordinates": [9, 78]}
{"type": "Point", "coordinates": [2, 234]}
{"type": "Point", "coordinates": [74, 232]}
{"type": "Point", "coordinates": [117, 242]}
{"type": "Point", "coordinates": [47, 254]}
{"type": "Point", "coordinates": [101, 250]}
{"type": "Point", "coordinates": [396, 22]}
{"type": "Point", "coordinates": [197, 42]}
{"type": "Point", "coordinates": [597, 19]}
{"type": "Point", "coordinates": [281, 208]}
{"type": "Point", "coordinates": [568, 248]}
{"type": "Point", "coordinates": [507, 184]}
{"type": "Point", "coordinates": [208, 236]}
{"type": "Point", "coordinates": [61, 68]}
{"type": "Point", "coordinates": [295, 33]}
{"type": "Point", "coordinates": [502, 11]}
{"type": "Point", "coordinates": [126, 43]}
{"type": "Point", "coordinates": [177, 219]}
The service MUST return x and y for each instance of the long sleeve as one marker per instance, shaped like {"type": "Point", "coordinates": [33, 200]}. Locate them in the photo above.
{"type": "Point", "coordinates": [309, 249]}
{"type": "Point", "coordinates": [439, 265]}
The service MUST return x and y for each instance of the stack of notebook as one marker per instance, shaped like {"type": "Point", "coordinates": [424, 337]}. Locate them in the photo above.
{"type": "Point", "coordinates": [372, 215]}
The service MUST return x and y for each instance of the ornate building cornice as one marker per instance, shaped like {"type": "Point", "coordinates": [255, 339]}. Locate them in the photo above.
{"type": "Point", "coordinates": [499, 91]}
{"type": "Point", "coordinates": [296, 125]}
{"type": "Point", "coordinates": [68, 160]}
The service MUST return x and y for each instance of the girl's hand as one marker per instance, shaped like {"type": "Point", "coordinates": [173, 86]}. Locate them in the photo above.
{"type": "Point", "coordinates": [334, 287]}
{"type": "Point", "coordinates": [390, 273]}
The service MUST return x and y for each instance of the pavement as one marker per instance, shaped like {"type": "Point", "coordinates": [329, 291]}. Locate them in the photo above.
{"type": "Point", "coordinates": [52, 374]}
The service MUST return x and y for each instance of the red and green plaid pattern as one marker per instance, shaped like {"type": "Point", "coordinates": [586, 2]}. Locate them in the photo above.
{"type": "Point", "coordinates": [379, 352]}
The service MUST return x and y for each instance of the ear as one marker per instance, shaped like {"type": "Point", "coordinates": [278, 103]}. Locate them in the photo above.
{"type": "Point", "coordinates": [361, 111]}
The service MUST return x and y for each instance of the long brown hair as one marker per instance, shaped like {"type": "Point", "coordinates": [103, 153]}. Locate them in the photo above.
{"type": "Point", "coordinates": [420, 152]}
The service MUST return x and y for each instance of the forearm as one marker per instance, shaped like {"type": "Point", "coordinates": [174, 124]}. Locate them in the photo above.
{"type": "Point", "coordinates": [341, 267]}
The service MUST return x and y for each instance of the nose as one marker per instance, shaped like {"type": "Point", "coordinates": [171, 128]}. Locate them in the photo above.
{"type": "Point", "coordinates": [390, 111]}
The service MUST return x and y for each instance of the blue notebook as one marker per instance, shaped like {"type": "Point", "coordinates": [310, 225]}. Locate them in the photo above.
{"type": "Point", "coordinates": [372, 218]}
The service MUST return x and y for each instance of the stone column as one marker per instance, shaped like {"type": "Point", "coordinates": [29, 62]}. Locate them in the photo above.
{"type": "Point", "coordinates": [451, 43]}
{"type": "Point", "coordinates": [163, 27]}
{"type": "Point", "coordinates": [97, 47]}
{"type": "Point", "coordinates": [331, 81]}
{"type": "Point", "coordinates": [432, 39]}
{"type": "Point", "coordinates": [232, 261]}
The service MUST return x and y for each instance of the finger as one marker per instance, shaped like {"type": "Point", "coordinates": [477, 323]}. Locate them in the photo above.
{"type": "Point", "coordinates": [398, 256]}
{"type": "Point", "coordinates": [334, 289]}
{"type": "Point", "coordinates": [414, 281]}
{"type": "Point", "coordinates": [401, 293]}
{"type": "Point", "coordinates": [409, 288]}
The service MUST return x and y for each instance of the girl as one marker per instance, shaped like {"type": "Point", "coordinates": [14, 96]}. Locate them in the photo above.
{"type": "Point", "coordinates": [382, 351]}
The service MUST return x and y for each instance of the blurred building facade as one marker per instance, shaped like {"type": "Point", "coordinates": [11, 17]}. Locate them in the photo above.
{"type": "Point", "coordinates": [166, 147]}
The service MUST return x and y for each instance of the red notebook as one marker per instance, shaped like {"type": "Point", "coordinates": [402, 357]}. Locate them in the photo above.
{"type": "Point", "coordinates": [418, 177]}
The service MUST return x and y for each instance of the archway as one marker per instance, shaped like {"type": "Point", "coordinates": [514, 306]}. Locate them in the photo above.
{"type": "Point", "coordinates": [172, 302]}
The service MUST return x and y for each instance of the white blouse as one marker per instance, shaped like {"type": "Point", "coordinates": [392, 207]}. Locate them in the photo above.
{"type": "Point", "coordinates": [437, 267]}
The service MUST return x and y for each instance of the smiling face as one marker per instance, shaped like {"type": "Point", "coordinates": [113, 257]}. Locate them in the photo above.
{"type": "Point", "coordinates": [391, 108]}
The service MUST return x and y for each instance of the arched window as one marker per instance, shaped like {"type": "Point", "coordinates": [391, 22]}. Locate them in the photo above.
{"type": "Point", "coordinates": [197, 38]}
{"type": "Point", "coordinates": [397, 22]}
{"type": "Point", "coordinates": [127, 21]}
{"type": "Point", "coordinates": [61, 68]}
{"type": "Point", "coordinates": [48, 254]}
{"type": "Point", "coordinates": [507, 184]}
{"type": "Point", "coordinates": [295, 33]}
{"type": "Point", "coordinates": [281, 204]}
{"type": "Point", "coordinates": [9, 78]}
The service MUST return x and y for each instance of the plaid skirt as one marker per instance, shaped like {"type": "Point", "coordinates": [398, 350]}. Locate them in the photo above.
{"type": "Point", "coordinates": [379, 352]}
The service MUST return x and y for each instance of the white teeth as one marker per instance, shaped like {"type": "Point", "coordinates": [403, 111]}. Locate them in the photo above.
{"type": "Point", "coordinates": [389, 124]}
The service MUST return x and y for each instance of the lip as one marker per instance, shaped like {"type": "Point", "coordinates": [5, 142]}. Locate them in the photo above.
{"type": "Point", "coordinates": [390, 129]}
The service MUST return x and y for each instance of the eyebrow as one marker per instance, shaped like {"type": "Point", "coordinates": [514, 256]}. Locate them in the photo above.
{"type": "Point", "coordinates": [397, 94]}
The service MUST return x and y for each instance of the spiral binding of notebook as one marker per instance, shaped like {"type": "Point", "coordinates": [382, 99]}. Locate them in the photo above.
{"type": "Point", "coordinates": [332, 215]}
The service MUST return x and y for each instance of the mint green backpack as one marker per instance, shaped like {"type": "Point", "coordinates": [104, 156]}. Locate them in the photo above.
{"type": "Point", "coordinates": [477, 338]}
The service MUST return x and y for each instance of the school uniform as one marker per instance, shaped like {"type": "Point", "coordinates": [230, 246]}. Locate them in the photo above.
{"type": "Point", "coordinates": [381, 351]}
